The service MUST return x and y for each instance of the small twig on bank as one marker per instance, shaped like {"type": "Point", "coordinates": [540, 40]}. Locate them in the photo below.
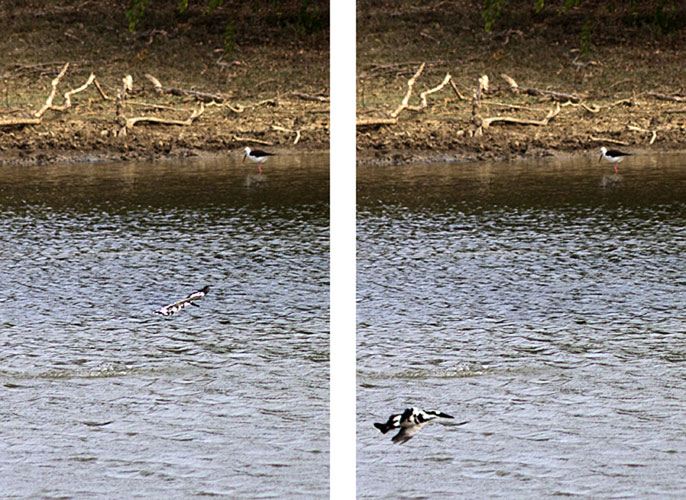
{"type": "Point", "coordinates": [308, 97]}
{"type": "Point", "coordinates": [200, 96]}
{"type": "Point", "coordinates": [291, 131]}
{"type": "Point", "coordinates": [157, 106]}
{"type": "Point", "coordinates": [375, 122]}
{"type": "Point", "coordinates": [554, 95]}
{"type": "Point", "coordinates": [653, 133]}
{"type": "Point", "coordinates": [19, 122]}
{"type": "Point", "coordinates": [251, 139]}
{"type": "Point", "coordinates": [664, 97]}
{"type": "Point", "coordinates": [457, 91]}
{"type": "Point", "coordinates": [607, 139]}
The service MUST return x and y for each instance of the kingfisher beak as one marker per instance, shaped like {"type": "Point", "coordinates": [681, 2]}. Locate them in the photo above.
{"type": "Point", "coordinates": [600, 158]}
{"type": "Point", "coordinates": [244, 157]}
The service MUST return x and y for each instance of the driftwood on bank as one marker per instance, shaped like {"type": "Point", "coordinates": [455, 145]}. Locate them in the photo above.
{"type": "Point", "coordinates": [487, 122]}
{"type": "Point", "coordinates": [18, 122]}
{"type": "Point", "coordinates": [200, 96]}
{"type": "Point", "coordinates": [291, 131]}
{"type": "Point", "coordinates": [607, 139]}
{"type": "Point", "coordinates": [374, 122]}
{"type": "Point", "coordinates": [665, 97]}
{"type": "Point", "coordinates": [554, 95]}
{"type": "Point", "coordinates": [38, 115]}
{"type": "Point", "coordinates": [653, 133]}
{"type": "Point", "coordinates": [422, 96]}
{"type": "Point", "coordinates": [55, 82]}
{"type": "Point", "coordinates": [127, 124]}
{"type": "Point", "coordinates": [308, 97]}
{"type": "Point", "coordinates": [410, 85]}
{"type": "Point", "coordinates": [252, 139]}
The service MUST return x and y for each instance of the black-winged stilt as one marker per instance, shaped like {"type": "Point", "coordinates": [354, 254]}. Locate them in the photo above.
{"type": "Point", "coordinates": [258, 156]}
{"type": "Point", "coordinates": [180, 304]}
{"type": "Point", "coordinates": [409, 422]}
{"type": "Point", "coordinates": [613, 156]}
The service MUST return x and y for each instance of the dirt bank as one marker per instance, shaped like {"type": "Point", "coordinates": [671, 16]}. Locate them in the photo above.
{"type": "Point", "coordinates": [617, 79]}
{"type": "Point", "coordinates": [263, 80]}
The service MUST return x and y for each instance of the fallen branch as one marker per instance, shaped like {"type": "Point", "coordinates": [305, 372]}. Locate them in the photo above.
{"type": "Point", "coordinates": [487, 122]}
{"type": "Point", "coordinates": [664, 97]}
{"type": "Point", "coordinates": [423, 95]}
{"type": "Point", "coordinates": [283, 129]}
{"type": "Point", "coordinates": [308, 97]}
{"type": "Point", "coordinates": [19, 122]}
{"type": "Point", "coordinates": [200, 96]}
{"type": "Point", "coordinates": [410, 84]}
{"type": "Point", "coordinates": [477, 120]}
{"type": "Point", "coordinates": [511, 106]}
{"type": "Point", "coordinates": [457, 91]}
{"type": "Point", "coordinates": [131, 122]}
{"type": "Point", "coordinates": [250, 139]}
{"type": "Point", "coordinates": [639, 129]}
{"type": "Point", "coordinates": [593, 108]}
{"type": "Point", "coordinates": [157, 106]}
{"type": "Point", "coordinates": [54, 83]}
{"type": "Point", "coordinates": [67, 95]}
{"type": "Point", "coordinates": [375, 122]}
{"type": "Point", "coordinates": [607, 139]}
{"type": "Point", "coordinates": [555, 96]}
{"type": "Point", "coordinates": [102, 92]}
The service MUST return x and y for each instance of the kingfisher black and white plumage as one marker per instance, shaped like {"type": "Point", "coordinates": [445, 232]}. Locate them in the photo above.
{"type": "Point", "coordinates": [180, 304]}
{"type": "Point", "coordinates": [613, 156]}
{"type": "Point", "coordinates": [258, 156]}
{"type": "Point", "coordinates": [410, 422]}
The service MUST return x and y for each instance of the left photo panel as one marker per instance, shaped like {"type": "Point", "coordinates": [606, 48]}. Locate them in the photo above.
{"type": "Point", "coordinates": [164, 248]}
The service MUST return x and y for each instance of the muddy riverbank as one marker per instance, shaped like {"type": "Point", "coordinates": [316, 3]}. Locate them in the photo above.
{"type": "Point", "coordinates": [241, 76]}
{"type": "Point", "coordinates": [616, 79]}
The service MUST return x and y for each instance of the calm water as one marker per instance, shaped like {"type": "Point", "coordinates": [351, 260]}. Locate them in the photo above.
{"type": "Point", "coordinates": [102, 398]}
{"type": "Point", "coordinates": [545, 303]}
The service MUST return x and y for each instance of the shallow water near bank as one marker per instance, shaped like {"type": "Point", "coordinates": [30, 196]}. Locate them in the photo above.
{"type": "Point", "coordinates": [543, 302]}
{"type": "Point", "coordinates": [103, 397]}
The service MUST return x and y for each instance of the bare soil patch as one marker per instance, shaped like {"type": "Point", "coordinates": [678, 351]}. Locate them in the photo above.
{"type": "Point", "coordinates": [625, 89]}
{"type": "Point", "coordinates": [271, 89]}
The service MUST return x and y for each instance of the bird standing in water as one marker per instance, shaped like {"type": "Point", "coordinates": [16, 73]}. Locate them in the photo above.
{"type": "Point", "coordinates": [258, 156]}
{"type": "Point", "coordinates": [613, 156]}
{"type": "Point", "coordinates": [409, 422]}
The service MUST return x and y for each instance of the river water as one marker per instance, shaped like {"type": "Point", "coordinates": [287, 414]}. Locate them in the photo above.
{"type": "Point", "coordinates": [102, 398]}
{"type": "Point", "coordinates": [545, 303]}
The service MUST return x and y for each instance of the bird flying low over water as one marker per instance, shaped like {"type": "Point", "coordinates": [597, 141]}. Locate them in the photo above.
{"type": "Point", "coordinates": [613, 156]}
{"type": "Point", "coordinates": [409, 422]}
{"type": "Point", "coordinates": [257, 156]}
{"type": "Point", "coordinates": [180, 304]}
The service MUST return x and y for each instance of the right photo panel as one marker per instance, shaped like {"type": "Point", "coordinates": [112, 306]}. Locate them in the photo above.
{"type": "Point", "coordinates": [521, 243]}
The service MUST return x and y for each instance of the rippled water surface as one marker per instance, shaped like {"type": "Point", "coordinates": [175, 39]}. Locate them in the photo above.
{"type": "Point", "coordinates": [102, 398]}
{"type": "Point", "coordinates": [545, 303]}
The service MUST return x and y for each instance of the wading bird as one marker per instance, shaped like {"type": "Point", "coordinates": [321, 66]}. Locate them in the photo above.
{"type": "Point", "coordinates": [258, 156]}
{"type": "Point", "coordinates": [613, 156]}
{"type": "Point", "coordinates": [409, 422]}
